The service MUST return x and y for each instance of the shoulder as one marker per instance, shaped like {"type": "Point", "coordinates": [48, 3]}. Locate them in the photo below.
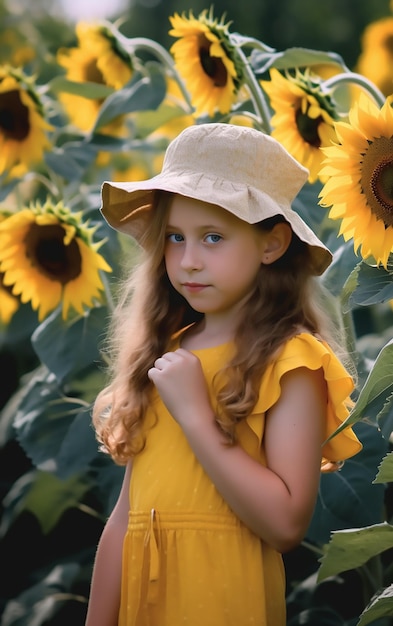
{"type": "Point", "coordinates": [303, 350]}
{"type": "Point", "coordinates": [307, 350]}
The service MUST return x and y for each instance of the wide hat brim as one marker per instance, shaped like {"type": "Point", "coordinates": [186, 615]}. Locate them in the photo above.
{"type": "Point", "coordinates": [237, 168]}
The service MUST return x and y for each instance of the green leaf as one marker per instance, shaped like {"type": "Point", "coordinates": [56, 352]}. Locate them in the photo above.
{"type": "Point", "coordinates": [348, 288]}
{"type": "Point", "coordinates": [385, 418]}
{"type": "Point", "coordinates": [385, 470]}
{"type": "Point", "coordinates": [244, 41]}
{"type": "Point", "coordinates": [76, 342]}
{"type": "Point", "coordinates": [139, 94]}
{"type": "Point", "coordinates": [336, 276]}
{"type": "Point", "coordinates": [99, 141]}
{"type": "Point", "coordinates": [374, 285]}
{"type": "Point", "coordinates": [292, 58]}
{"type": "Point", "coordinates": [7, 186]}
{"type": "Point", "coordinates": [351, 548]}
{"type": "Point", "coordinates": [54, 430]}
{"type": "Point", "coordinates": [348, 498]}
{"type": "Point", "coordinates": [148, 121]}
{"type": "Point", "coordinates": [13, 503]}
{"type": "Point", "coordinates": [71, 160]}
{"type": "Point", "coordinates": [376, 390]}
{"type": "Point", "coordinates": [41, 602]}
{"type": "Point", "coordinates": [50, 497]}
{"type": "Point", "coordinates": [380, 606]}
{"type": "Point", "coordinates": [92, 91]}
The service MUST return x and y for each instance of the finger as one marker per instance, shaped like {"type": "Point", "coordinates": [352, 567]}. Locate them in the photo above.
{"type": "Point", "coordinates": [151, 374]}
{"type": "Point", "coordinates": [170, 356]}
{"type": "Point", "coordinates": [160, 362]}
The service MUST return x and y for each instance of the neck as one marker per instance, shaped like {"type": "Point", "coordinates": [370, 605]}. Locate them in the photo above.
{"type": "Point", "coordinates": [207, 334]}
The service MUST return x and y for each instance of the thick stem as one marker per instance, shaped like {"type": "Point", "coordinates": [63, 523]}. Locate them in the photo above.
{"type": "Point", "coordinates": [257, 97]}
{"type": "Point", "coordinates": [356, 79]}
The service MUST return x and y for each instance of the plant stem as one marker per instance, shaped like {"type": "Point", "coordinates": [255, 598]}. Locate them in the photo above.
{"type": "Point", "coordinates": [256, 93]}
{"type": "Point", "coordinates": [356, 79]}
{"type": "Point", "coordinates": [107, 291]}
{"type": "Point", "coordinates": [143, 43]}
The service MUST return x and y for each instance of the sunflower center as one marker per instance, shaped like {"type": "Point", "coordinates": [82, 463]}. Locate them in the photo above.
{"type": "Point", "coordinates": [388, 43]}
{"type": "Point", "coordinates": [46, 250]}
{"type": "Point", "coordinates": [308, 128]}
{"type": "Point", "coordinates": [93, 74]}
{"type": "Point", "coordinates": [377, 178]}
{"type": "Point", "coordinates": [212, 66]}
{"type": "Point", "coordinates": [14, 116]}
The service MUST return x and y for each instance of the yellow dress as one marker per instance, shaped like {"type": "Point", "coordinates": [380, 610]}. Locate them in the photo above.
{"type": "Point", "coordinates": [187, 559]}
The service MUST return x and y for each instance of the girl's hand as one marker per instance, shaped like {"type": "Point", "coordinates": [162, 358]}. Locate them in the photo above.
{"type": "Point", "coordinates": [179, 380]}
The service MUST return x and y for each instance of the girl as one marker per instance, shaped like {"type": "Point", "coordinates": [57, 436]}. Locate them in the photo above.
{"type": "Point", "coordinates": [223, 388]}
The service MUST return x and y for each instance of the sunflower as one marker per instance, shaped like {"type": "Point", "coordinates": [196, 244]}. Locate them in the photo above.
{"type": "Point", "coordinates": [304, 115]}
{"type": "Point", "coordinates": [23, 126]}
{"type": "Point", "coordinates": [206, 59]}
{"type": "Point", "coordinates": [98, 58]}
{"type": "Point", "coordinates": [375, 61]}
{"type": "Point", "coordinates": [9, 304]}
{"type": "Point", "coordinates": [48, 257]}
{"type": "Point", "coordinates": [359, 188]}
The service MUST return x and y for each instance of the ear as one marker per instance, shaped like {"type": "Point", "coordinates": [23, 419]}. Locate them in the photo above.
{"type": "Point", "coordinates": [276, 243]}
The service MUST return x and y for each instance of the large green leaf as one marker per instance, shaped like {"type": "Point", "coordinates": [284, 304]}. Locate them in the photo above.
{"type": "Point", "coordinates": [39, 603]}
{"type": "Point", "coordinates": [140, 94]}
{"type": "Point", "coordinates": [71, 160]}
{"type": "Point", "coordinates": [381, 606]}
{"type": "Point", "coordinates": [352, 548]}
{"type": "Point", "coordinates": [99, 141]}
{"type": "Point", "coordinates": [93, 91]}
{"type": "Point", "coordinates": [50, 497]}
{"type": "Point", "coordinates": [293, 57]}
{"type": "Point", "coordinates": [66, 348]}
{"type": "Point", "coordinates": [336, 275]}
{"type": "Point", "coordinates": [14, 501]}
{"type": "Point", "coordinates": [374, 399]}
{"type": "Point", "coordinates": [374, 284]}
{"type": "Point", "coordinates": [321, 616]}
{"type": "Point", "coordinates": [348, 498]}
{"type": "Point", "coordinates": [148, 121]}
{"type": "Point", "coordinates": [385, 470]}
{"type": "Point", "coordinates": [54, 430]}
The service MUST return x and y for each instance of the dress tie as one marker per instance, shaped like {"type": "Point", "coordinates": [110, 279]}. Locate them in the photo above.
{"type": "Point", "coordinates": [154, 558]}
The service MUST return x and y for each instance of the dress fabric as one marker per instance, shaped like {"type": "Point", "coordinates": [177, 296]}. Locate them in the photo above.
{"type": "Point", "coordinates": [187, 559]}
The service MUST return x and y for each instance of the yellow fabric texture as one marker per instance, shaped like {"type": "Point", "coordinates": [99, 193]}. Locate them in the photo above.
{"type": "Point", "coordinates": [187, 559]}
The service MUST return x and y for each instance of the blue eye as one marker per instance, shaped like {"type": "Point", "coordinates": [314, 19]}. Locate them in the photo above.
{"type": "Point", "coordinates": [213, 238]}
{"type": "Point", "coordinates": [175, 237]}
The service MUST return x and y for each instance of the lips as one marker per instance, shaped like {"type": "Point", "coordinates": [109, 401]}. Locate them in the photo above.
{"type": "Point", "coordinates": [194, 287]}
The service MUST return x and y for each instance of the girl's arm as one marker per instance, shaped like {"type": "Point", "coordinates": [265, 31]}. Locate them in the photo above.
{"type": "Point", "coordinates": [276, 502]}
{"type": "Point", "coordinates": [104, 601]}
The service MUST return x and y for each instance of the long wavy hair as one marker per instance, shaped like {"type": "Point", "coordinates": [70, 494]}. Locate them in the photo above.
{"type": "Point", "coordinates": [286, 300]}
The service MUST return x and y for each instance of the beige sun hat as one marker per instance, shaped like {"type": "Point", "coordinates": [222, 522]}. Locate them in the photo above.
{"type": "Point", "coordinates": [246, 172]}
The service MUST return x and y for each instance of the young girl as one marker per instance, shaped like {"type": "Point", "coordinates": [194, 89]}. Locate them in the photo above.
{"type": "Point", "coordinates": [223, 391]}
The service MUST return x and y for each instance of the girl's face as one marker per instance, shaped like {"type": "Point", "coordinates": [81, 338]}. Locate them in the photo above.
{"type": "Point", "coordinates": [212, 258]}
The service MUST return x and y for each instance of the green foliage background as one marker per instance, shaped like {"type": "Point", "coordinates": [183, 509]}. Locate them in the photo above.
{"type": "Point", "coordinates": [57, 490]}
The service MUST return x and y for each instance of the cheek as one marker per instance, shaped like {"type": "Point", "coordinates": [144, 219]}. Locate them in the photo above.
{"type": "Point", "coordinates": [171, 262]}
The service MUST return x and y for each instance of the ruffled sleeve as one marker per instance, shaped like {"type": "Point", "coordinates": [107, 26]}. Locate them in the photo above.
{"type": "Point", "coordinates": [305, 350]}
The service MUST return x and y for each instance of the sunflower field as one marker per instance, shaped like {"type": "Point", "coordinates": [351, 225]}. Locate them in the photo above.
{"type": "Point", "coordinates": [84, 103]}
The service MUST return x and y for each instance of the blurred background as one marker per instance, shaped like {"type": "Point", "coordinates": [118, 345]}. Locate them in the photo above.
{"type": "Point", "coordinates": [329, 25]}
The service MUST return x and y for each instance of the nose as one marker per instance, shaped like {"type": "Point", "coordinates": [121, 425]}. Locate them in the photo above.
{"type": "Point", "coordinates": [191, 258]}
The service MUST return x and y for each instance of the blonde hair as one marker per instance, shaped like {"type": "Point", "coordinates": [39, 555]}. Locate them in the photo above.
{"type": "Point", "coordinates": [150, 311]}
